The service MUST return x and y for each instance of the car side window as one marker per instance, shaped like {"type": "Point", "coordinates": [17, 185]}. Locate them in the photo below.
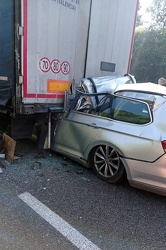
{"type": "Point", "coordinates": [130, 111]}
{"type": "Point", "coordinates": [104, 107]}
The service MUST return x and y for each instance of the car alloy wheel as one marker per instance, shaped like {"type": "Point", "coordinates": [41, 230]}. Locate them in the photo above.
{"type": "Point", "coordinates": [107, 164]}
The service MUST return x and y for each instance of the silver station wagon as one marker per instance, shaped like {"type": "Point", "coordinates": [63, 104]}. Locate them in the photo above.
{"type": "Point", "coordinates": [120, 134]}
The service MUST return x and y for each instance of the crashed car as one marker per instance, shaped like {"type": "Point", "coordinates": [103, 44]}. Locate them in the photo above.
{"type": "Point", "coordinates": [118, 135]}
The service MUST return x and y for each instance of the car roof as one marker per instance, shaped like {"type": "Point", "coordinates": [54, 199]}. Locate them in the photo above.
{"type": "Point", "coordinates": [147, 87]}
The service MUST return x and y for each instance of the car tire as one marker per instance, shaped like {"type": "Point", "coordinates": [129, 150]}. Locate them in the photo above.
{"type": "Point", "coordinates": [106, 164]}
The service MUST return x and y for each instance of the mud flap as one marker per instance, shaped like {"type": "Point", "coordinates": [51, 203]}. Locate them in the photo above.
{"type": "Point", "coordinates": [7, 146]}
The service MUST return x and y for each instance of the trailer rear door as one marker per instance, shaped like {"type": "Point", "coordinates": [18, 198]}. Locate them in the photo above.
{"type": "Point", "coordinates": [111, 36]}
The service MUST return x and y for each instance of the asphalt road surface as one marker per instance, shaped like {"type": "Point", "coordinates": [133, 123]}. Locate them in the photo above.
{"type": "Point", "coordinates": [54, 203]}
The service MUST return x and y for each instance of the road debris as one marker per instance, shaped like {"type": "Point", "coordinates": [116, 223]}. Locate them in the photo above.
{"type": "Point", "coordinates": [2, 156]}
{"type": "Point", "coordinates": [7, 147]}
{"type": "Point", "coordinates": [79, 172]}
{"type": "Point", "coordinates": [40, 155]}
{"type": "Point", "coordinates": [17, 158]}
{"type": "Point", "coordinates": [36, 165]}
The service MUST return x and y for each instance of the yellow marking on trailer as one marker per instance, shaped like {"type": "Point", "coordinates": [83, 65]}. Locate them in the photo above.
{"type": "Point", "coordinates": [54, 86]}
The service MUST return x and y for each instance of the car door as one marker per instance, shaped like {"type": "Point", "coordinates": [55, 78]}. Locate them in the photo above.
{"type": "Point", "coordinates": [76, 130]}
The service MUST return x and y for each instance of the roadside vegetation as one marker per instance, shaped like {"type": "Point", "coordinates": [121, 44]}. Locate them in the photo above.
{"type": "Point", "coordinates": [149, 51]}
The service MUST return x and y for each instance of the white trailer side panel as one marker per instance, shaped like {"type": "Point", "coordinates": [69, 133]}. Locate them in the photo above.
{"type": "Point", "coordinates": [66, 40]}
{"type": "Point", "coordinates": [54, 46]}
{"type": "Point", "coordinates": [111, 34]}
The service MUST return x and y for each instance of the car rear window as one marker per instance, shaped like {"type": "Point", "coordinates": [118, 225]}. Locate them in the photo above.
{"type": "Point", "coordinates": [130, 111]}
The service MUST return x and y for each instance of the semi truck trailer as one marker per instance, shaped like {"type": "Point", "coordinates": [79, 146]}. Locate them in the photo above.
{"type": "Point", "coordinates": [47, 46]}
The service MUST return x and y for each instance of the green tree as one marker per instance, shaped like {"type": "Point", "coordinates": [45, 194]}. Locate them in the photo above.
{"type": "Point", "coordinates": [139, 18]}
{"type": "Point", "coordinates": [158, 13]}
{"type": "Point", "coordinates": [149, 55]}
{"type": "Point", "coordinates": [149, 51]}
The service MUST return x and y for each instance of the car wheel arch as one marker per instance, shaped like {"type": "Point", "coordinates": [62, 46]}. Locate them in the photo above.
{"type": "Point", "coordinates": [121, 155]}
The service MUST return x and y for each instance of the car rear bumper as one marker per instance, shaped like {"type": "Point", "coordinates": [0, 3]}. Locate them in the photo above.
{"type": "Point", "coordinates": [147, 175]}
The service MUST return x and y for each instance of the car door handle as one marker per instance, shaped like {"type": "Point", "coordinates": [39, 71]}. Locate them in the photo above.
{"type": "Point", "coordinates": [92, 125]}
